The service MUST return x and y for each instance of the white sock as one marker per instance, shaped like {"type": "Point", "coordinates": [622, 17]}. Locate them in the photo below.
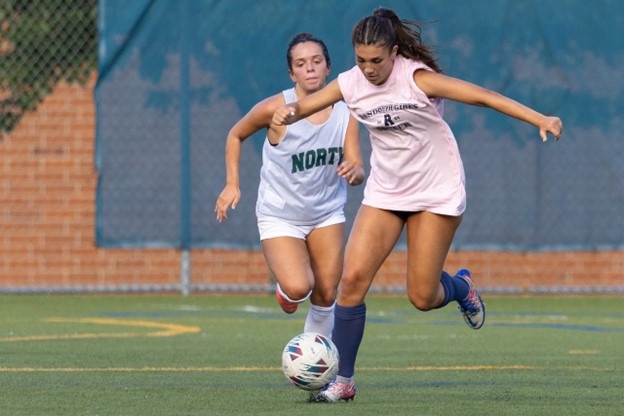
{"type": "Point", "coordinates": [285, 296]}
{"type": "Point", "coordinates": [320, 319]}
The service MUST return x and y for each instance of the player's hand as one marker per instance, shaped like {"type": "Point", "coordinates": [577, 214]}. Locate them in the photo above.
{"type": "Point", "coordinates": [229, 197]}
{"type": "Point", "coordinates": [284, 115]}
{"type": "Point", "coordinates": [353, 174]}
{"type": "Point", "coordinates": [552, 125]}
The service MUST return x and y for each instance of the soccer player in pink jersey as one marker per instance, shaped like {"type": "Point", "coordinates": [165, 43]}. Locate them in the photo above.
{"type": "Point", "coordinates": [416, 178]}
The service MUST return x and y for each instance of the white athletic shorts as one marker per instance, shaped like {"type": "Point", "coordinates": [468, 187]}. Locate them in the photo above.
{"type": "Point", "coordinates": [271, 227]}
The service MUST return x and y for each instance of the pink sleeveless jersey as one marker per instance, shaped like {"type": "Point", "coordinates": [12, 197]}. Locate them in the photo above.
{"type": "Point", "coordinates": [415, 162]}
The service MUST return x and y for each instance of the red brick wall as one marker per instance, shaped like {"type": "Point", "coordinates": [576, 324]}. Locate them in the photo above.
{"type": "Point", "coordinates": [47, 225]}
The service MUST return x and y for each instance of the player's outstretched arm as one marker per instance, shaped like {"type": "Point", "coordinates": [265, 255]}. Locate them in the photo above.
{"type": "Point", "coordinates": [257, 118]}
{"type": "Point", "coordinates": [292, 112]}
{"type": "Point", "coordinates": [438, 85]}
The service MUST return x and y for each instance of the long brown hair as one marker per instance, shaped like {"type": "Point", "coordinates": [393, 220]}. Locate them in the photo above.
{"type": "Point", "coordinates": [385, 28]}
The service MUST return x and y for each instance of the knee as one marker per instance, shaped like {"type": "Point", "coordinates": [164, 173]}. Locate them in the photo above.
{"type": "Point", "coordinates": [323, 296]}
{"type": "Point", "coordinates": [422, 303]}
{"type": "Point", "coordinates": [296, 292]}
{"type": "Point", "coordinates": [353, 288]}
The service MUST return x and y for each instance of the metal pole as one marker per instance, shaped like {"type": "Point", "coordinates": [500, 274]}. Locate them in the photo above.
{"type": "Point", "coordinates": [185, 272]}
{"type": "Point", "coordinates": [185, 145]}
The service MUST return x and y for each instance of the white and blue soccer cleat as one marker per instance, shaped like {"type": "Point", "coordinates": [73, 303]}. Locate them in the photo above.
{"type": "Point", "coordinates": [472, 308]}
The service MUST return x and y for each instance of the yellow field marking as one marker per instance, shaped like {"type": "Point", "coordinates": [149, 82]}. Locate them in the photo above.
{"type": "Point", "coordinates": [164, 330]}
{"type": "Point", "coordinates": [137, 369]}
{"type": "Point", "coordinates": [584, 352]}
{"type": "Point", "coordinates": [457, 368]}
{"type": "Point", "coordinates": [241, 369]}
{"type": "Point", "coordinates": [275, 369]}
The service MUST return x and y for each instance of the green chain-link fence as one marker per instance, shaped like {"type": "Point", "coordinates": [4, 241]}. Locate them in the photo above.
{"type": "Point", "coordinates": [41, 43]}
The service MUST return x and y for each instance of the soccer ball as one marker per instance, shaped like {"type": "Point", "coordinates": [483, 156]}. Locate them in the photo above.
{"type": "Point", "coordinates": [310, 361]}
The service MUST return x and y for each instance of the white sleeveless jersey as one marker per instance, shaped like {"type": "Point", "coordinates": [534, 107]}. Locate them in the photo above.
{"type": "Point", "coordinates": [298, 179]}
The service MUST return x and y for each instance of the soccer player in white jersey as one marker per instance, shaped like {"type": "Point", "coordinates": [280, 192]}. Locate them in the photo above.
{"type": "Point", "coordinates": [303, 186]}
{"type": "Point", "coordinates": [416, 178]}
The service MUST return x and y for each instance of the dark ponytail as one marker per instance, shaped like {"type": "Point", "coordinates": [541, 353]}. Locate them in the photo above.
{"type": "Point", "coordinates": [384, 27]}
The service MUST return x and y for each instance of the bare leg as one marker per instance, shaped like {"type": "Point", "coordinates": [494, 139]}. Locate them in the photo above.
{"type": "Point", "coordinates": [429, 238]}
{"type": "Point", "coordinates": [288, 259]}
{"type": "Point", "coordinates": [326, 251]}
{"type": "Point", "coordinates": [373, 236]}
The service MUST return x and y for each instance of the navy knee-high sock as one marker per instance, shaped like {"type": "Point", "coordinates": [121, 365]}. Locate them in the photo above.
{"type": "Point", "coordinates": [454, 289]}
{"type": "Point", "coordinates": [347, 335]}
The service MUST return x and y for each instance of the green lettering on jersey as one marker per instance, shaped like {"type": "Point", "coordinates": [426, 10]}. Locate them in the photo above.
{"type": "Point", "coordinates": [316, 158]}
